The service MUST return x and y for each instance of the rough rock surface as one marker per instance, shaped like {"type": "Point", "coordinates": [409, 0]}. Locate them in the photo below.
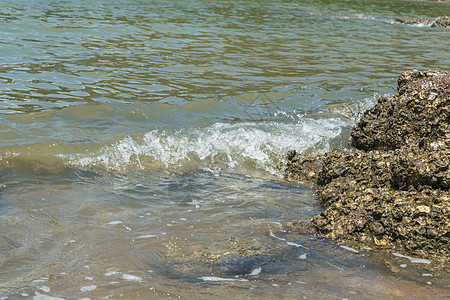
{"type": "Point", "coordinates": [302, 168]}
{"type": "Point", "coordinates": [441, 22]}
{"type": "Point", "coordinates": [394, 190]}
{"type": "Point", "coordinates": [418, 114]}
{"type": "Point", "coordinates": [415, 21]}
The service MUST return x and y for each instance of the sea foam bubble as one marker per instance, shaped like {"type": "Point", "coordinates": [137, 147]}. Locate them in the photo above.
{"type": "Point", "coordinates": [258, 146]}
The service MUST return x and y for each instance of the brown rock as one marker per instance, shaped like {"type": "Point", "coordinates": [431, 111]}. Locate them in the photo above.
{"type": "Point", "coordinates": [415, 21]}
{"type": "Point", "coordinates": [443, 22]}
{"type": "Point", "coordinates": [394, 190]}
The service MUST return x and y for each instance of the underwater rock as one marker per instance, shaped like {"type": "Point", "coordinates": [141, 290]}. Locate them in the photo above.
{"type": "Point", "coordinates": [441, 22]}
{"type": "Point", "coordinates": [334, 15]}
{"type": "Point", "coordinates": [234, 259]}
{"type": "Point", "coordinates": [393, 191]}
{"type": "Point", "coordinates": [415, 21]}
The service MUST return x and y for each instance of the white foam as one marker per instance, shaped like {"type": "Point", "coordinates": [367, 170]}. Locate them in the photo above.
{"type": "Point", "coordinates": [349, 249]}
{"type": "Point", "coordinates": [283, 239]}
{"type": "Point", "coordinates": [413, 259]}
{"type": "Point", "coordinates": [274, 236]}
{"type": "Point", "coordinates": [277, 223]}
{"type": "Point", "coordinates": [39, 296]}
{"type": "Point", "coordinates": [110, 273]}
{"type": "Point", "coordinates": [146, 236]}
{"type": "Point", "coordinates": [131, 277]}
{"type": "Point", "coordinates": [219, 146]}
{"type": "Point", "coordinates": [214, 278]}
{"type": "Point", "coordinates": [295, 245]}
{"type": "Point", "coordinates": [88, 288]}
{"type": "Point", "coordinates": [303, 256]}
{"type": "Point", "coordinates": [44, 288]}
{"type": "Point", "coordinates": [256, 271]}
{"type": "Point", "coordinates": [114, 223]}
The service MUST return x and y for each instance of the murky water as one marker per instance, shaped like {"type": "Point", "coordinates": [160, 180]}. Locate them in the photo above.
{"type": "Point", "coordinates": [141, 143]}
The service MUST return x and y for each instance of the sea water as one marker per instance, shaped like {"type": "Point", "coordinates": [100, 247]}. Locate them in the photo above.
{"type": "Point", "coordinates": [142, 145]}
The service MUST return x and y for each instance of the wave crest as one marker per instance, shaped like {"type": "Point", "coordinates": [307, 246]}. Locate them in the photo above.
{"type": "Point", "coordinates": [247, 147]}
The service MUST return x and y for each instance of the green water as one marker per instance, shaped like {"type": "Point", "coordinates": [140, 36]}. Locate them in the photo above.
{"type": "Point", "coordinates": [140, 144]}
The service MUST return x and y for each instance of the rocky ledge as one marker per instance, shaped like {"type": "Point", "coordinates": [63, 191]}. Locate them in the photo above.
{"type": "Point", "coordinates": [392, 191]}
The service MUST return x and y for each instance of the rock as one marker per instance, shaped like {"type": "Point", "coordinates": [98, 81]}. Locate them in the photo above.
{"type": "Point", "coordinates": [334, 15]}
{"type": "Point", "coordinates": [393, 191]}
{"type": "Point", "coordinates": [419, 113]}
{"type": "Point", "coordinates": [418, 167]}
{"type": "Point", "coordinates": [302, 168]}
{"type": "Point", "coordinates": [441, 22]}
{"type": "Point", "coordinates": [415, 21]}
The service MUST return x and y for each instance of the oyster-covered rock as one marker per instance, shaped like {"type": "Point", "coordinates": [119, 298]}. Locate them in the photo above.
{"type": "Point", "coordinates": [419, 113]}
{"type": "Point", "coordinates": [393, 191]}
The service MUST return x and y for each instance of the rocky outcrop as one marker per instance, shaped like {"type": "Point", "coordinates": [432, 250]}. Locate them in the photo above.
{"type": "Point", "coordinates": [335, 15]}
{"type": "Point", "coordinates": [441, 22]}
{"type": "Point", "coordinates": [415, 21]}
{"type": "Point", "coordinates": [416, 116]}
{"type": "Point", "coordinates": [393, 191]}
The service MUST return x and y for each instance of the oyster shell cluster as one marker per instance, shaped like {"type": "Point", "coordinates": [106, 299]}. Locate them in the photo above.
{"type": "Point", "coordinates": [393, 190]}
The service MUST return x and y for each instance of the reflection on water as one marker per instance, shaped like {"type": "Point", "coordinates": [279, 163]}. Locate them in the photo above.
{"type": "Point", "coordinates": [57, 54]}
{"type": "Point", "coordinates": [141, 142]}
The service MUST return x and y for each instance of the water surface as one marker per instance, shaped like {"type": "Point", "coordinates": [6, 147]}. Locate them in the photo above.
{"type": "Point", "coordinates": [141, 144]}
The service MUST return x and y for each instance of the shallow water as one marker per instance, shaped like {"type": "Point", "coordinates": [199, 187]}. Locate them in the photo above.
{"type": "Point", "coordinates": [141, 144]}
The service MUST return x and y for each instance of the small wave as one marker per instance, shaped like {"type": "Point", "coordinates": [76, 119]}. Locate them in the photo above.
{"type": "Point", "coordinates": [249, 147]}
{"type": "Point", "coordinates": [354, 111]}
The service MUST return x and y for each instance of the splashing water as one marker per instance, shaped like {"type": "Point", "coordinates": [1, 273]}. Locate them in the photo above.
{"type": "Point", "coordinates": [220, 146]}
